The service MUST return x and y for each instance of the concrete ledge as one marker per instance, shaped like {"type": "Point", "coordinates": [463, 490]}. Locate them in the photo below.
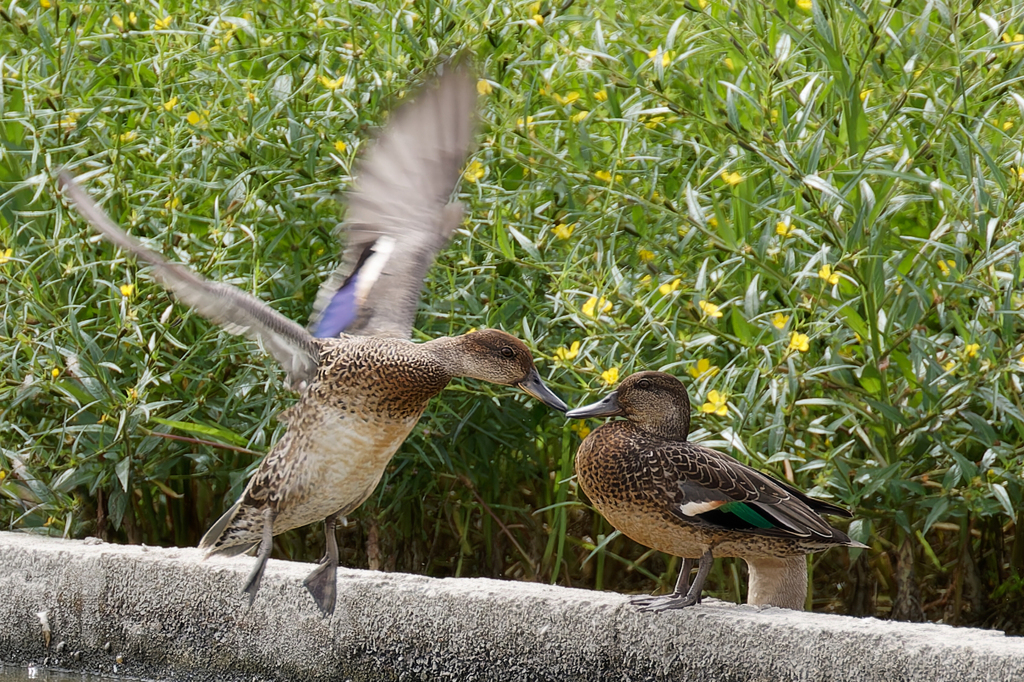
{"type": "Point", "coordinates": [148, 612]}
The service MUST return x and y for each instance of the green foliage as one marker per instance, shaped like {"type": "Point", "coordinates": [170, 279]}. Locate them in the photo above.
{"type": "Point", "coordinates": [809, 210]}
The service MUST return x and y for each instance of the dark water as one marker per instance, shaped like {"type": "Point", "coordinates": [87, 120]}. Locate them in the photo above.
{"type": "Point", "coordinates": [35, 673]}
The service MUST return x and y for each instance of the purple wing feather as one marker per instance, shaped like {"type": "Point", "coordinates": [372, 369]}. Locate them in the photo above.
{"type": "Point", "coordinates": [340, 312]}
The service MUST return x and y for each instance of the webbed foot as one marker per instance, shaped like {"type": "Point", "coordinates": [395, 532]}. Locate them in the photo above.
{"type": "Point", "coordinates": [323, 585]}
{"type": "Point", "coordinates": [252, 585]}
{"type": "Point", "coordinates": [323, 582]}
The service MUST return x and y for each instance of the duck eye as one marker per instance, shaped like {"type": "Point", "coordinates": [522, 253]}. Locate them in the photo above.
{"type": "Point", "coordinates": [507, 352]}
{"type": "Point", "coordinates": [643, 383]}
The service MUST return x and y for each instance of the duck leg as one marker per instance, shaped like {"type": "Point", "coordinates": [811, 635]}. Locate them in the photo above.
{"type": "Point", "coordinates": [692, 596]}
{"type": "Point", "coordinates": [322, 583]}
{"type": "Point", "coordinates": [252, 586]}
{"type": "Point", "coordinates": [682, 586]}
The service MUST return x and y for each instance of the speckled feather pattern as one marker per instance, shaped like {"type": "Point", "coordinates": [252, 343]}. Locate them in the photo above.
{"type": "Point", "coordinates": [639, 482]}
{"type": "Point", "coordinates": [367, 396]}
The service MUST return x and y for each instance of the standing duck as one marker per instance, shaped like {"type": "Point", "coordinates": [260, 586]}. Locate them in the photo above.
{"type": "Point", "coordinates": [684, 499]}
{"type": "Point", "coordinates": [363, 391]}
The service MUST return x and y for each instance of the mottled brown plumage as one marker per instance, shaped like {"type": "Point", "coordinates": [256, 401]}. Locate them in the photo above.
{"type": "Point", "coordinates": [367, 396]}
{"type": "Point", "coordinates": [361, 392]}
{"type": "Point", "coordinates": [684, 499]}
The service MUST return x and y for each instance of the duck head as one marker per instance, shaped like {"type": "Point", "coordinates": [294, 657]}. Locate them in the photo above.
{"type": "Point", "coordinates": [654, 401]}
{"type": "Point", "coordinates": [500, 358]}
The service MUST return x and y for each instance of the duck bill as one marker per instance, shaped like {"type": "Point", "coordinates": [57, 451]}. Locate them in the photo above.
{"type": "Point", "coordinates": [606, 407]}
{"type": "Point", "coordinates": [533, 385]}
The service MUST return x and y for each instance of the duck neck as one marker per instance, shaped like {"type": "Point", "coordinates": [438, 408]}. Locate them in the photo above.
{"type": "Point", "coordinates": [447, 353]}
{"type": "Point", "coordinates": [778, 582]}
{"type": "Point", "coordinates": [673, 425]}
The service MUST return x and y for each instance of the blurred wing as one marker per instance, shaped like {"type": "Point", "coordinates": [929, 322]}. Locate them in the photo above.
{"type": "Point", "coordinates": [231, 308]}
{"type": "Point", "coordinates": [398, 214]}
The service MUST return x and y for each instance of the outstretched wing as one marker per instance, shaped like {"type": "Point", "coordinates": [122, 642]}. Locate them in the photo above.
{"type": "Point", "coordinates": [231, 308]}
{"type": "Point", "coordinates": [398, 214]}
{"type": "Point", "coordinates": [715, 489]}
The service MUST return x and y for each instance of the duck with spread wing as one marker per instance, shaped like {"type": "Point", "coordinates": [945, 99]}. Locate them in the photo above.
{"type": "Point", "coordinates": [363, 383]}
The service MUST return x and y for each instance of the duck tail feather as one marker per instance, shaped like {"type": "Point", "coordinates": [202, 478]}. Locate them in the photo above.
{"type": "Point", "coordinates": [213, 536]}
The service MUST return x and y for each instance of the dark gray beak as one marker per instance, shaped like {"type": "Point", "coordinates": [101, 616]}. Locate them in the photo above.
{"type": "Point", "coordinates": [606, 407]}
{"type": "Point", "coordinates": [533, 385]}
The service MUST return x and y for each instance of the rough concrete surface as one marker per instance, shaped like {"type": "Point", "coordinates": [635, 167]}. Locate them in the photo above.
{"type": "Point", "coordinates": [163, 613]}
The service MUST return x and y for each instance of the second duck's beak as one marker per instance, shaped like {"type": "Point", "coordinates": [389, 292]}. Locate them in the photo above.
{"type": "Point", "coordinates": [533, 385]}
{"type": "Point", "coordinates": [606, 407]}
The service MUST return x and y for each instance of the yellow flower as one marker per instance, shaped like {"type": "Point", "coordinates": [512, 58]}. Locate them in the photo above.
{"type": "Point", "coordinates": [779, 320]}
{"type": "Point", "coordinates": [133, 18]}
{"type": "Point", "coordinates": [331, 84]}
{"type": "Point", "coordinates": [3, 474]}
{"type": "Point", "coordinates": [127, 136]}
{"type": "Point", "coordinates": [563, 231]}
{"type": "Point", "coordinates": [972, 349]}
{"type": "Point", "coordinates": [340, 147]}
{"type": "Point", "coordinates": [117, 21]}
{"type": "Point", "coordinates": [946, 266]}
{"type": "Point", "coordinates": [645, 279]}
{"type": "Point", "coordinates": [1018, 173]}
{"type": "Point", "coordinates": [669, 287]}
{"type": "Point", "coordinates": [1018, 38]}
{"type": "Point", "coordinates": [783, 230]}
{"type": "Point", "coordinates": [703, 369]}
{"type": "Point", "coordinates": [69, 120]}
{"type": "Point", "coordinates": [601, 95]}
{"type": "Point", "coordinates": [45, 4]}
{"type": "Point", "coordinates": [1007, 124]}
{"type": "Point", "coordinates": [732, 179]}
{"type": "Point", "coordinates": [606, 176]}
{"type": "Point", "coordinates": [580, 428]}
{"type": "Point", "coordinates": [534, 8]}
{"type": "Point", "coordinates": [5, 255]}
{"type": "Point", "coordinates": [568, 99]}
{"type": "Point", "coordinates": [528, 121]}
{"type": "Point", "coordinates": [805, 5]}
{"type": "Point", "coordinates": [610, 375]}
{"type": "Point", "coordinates": [474, 171]}
{"type": "Point", "coordinates": [170, 104]}
{"type": "Point", "coordinates": [949, 365]}
{"type": "Point", "coordinates": [865, 93]}
{"type": "Point", "coordinates": [800, 342]}
{"type": "Point", "coordinates": [827, 274]}
{"type": "Point", "coordinates": [654, 122]}
{"type": "Point", "coordinates": [54, 372]}
{"type": "Point", "coordinates": [163, 24]}
{"type": "Point", "coordinates": [483, 87]}
{"type": "Point", "coordinates": [172, 203]}
{"type": "Point", "coordinates": [594, 306]}
{"type": "Point", "coordinates": [569, 353]}
{"type": "Point", "coordinates": [127, 290]}
{"type": "Point", "coordinates": [539, 19]}
{"type": "Point", "coordinates": [196, 119]}
{"type": "Point", "coordinates": [645, 255]}
{"type": "Point", "coordinates": [666, 57]}
{"type": "Point", "coordinates": [716, 404]}
{"type": "Point", "coordinates": [728, 64]}
{"type": "Point", "coordinates": [712, 222]}
{"type": "Point", "coordinates": [710, 309]}
{"type": "Point", "coordinates": [579, 116]}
